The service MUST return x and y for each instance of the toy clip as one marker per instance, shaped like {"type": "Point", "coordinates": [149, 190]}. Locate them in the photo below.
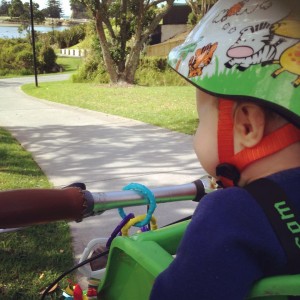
{"type": "Point", "coordinates": [149, 196]}
{"type": "Point", "coordinates": [132, 222]}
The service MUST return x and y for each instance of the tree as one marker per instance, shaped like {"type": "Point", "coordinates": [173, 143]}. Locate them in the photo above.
{"type": "Point", "coordinates": [38, 15]}
{"type": "Point", "coordinates": [16, 8]}
{"type": "Point", "coordinates": [79, 10]}
{"type": "Point", "coordinates": [53, 9]}
{"type": "Point", "coordinates": [4, 7]}
{"type": "Point", "coordinates": [123, 27]}
{"type": "Point", "coordinates": [25, 17]}
{"type": "Point", "coordinates": [199, 9]}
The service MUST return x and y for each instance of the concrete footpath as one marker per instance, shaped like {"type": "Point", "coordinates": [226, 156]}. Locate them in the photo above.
{"type": "Point", "coordinates": [103, 151]}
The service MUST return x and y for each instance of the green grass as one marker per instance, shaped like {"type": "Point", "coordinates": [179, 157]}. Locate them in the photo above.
{"type": "Point", "coordinates": [69, 64]}
{"type": "Point", "coordinates": [32, 258]}
{"type": "Point", "coordinates": [171, 107]}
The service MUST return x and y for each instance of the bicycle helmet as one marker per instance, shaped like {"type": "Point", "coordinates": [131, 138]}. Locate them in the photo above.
{"type": "Point", "coordinates": [246, 51]}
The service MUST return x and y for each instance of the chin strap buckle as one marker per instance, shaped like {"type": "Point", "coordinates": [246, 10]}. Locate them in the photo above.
{"type": "Point", "coordinates": [229, 173]}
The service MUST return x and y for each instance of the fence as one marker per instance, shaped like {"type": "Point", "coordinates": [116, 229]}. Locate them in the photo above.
{"type": "Point", "coordinates": [164, 48]}
{"type": "Point", "coordinates": [73, 52]}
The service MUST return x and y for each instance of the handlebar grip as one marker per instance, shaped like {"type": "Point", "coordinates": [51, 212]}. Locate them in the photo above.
{"type": "Point", "coordinates": [19, 208]}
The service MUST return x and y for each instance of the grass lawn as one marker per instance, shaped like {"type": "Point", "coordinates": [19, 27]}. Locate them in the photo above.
{"type": "Point", "coordinates": [171, 107]}
{"type": "Point", "coordinates": [32, 258]}
{"type": "Point", "coordinates": [69, 64]}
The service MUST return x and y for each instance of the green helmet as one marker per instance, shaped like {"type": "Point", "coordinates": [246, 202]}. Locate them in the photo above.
{"type": "Point", "coordinates": [247, 50]}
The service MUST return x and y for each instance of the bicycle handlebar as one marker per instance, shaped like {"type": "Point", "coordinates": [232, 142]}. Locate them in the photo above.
{"type": "Point", "coordinates": [191, 191]}
{"type": "Point", "coordinates": [20, 208]}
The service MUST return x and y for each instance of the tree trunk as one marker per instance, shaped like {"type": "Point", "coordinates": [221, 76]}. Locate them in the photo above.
{"type": "Point", "coordinates": [133, 62]}
{"type": "Point", "coordinates": [109, 63]}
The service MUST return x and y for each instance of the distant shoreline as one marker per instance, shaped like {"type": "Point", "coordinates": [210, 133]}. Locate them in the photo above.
{"type": "Point", "coordinates": [10, 24]}
{"type": "Point", "coordinates": [48, 23]}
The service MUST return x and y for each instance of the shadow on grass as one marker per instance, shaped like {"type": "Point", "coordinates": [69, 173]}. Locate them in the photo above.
{"type": "Point", "coordinates": [14, 159]}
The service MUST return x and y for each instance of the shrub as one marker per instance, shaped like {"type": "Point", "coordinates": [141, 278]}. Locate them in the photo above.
{"type": "Point", "coordinates": [11, 50]}
{"type": "Point", "coordinates": [87, 71]}
{"type": "Point", "coordinates": [17, 57]}
{"type": "Point", "coordinates": [47, 59]}
{"type": "Point", "coordinates": [24, 60]}
{"type": "Point", "coordinates": [91, 71]}
{"type": "Point", "coordinates": [68, 37]}
{"type": "Point", "coordinates": [154, 63]}
{"type": "Point", "coordinates": [153, 77]}
{"type": "Point", "coordinates": [152, 71]}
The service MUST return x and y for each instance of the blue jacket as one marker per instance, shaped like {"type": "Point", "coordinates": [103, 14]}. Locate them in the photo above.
{"type": "Point", "coordinates": [228, 245]}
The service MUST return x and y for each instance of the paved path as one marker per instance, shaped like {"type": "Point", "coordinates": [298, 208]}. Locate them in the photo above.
{"type": "Point", "coordinates": [104, 151]}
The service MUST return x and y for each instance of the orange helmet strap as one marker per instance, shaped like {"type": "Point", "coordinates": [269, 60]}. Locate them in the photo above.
{"type": "Point", "coordinates": [232, 164]}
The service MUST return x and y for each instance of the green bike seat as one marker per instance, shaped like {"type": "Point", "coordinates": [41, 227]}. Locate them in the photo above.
{"type": "Point", "coordinates": [134, 262]}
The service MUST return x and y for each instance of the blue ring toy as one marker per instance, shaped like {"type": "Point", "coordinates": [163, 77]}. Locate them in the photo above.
{"type": "Point", "coordinates": [149, 196]}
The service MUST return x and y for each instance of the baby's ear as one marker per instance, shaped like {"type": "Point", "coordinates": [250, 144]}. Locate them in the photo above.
{"type": "Point", "coordinates": [249, 125]}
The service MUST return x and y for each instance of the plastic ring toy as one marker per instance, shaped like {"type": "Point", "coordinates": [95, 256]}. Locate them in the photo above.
{"type": "Point", "coordinates": [134, 221]}
{"type": "Point", "coordinates": [143, 191]}
{"type": "Point", "coordinates": [118, 229]}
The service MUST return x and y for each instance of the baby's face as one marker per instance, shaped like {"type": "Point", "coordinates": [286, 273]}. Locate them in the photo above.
{"type": "Point", "coordinates": [206, 140]}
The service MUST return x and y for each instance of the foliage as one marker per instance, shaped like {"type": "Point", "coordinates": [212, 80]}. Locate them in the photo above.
{"type": "Point", "coordinates": [79, 11]}
{"type": "Point", "coordinates": [69, 37]}
{"type": "Point", "coordinates": [16, 8]}
{"type": "Point", "coordinates": [17, 58]}
{"type": "Point", "coordinates": [20, 10]}
{"type": "Point", "coordinates": [4, 6]}
{"type": "Point", "coordinates": [91, 71]}
{"type": "Point", "coordinates": [16, 54]}
{"type": "Point", "coordinates": [25, 18]}
{"type": "Point", "coordinates": [123, 28]}
{"type": "Point", "coordinates": [24, 59]}
{"type": "Point", "coordinates": [38, 15]}
{"type": "Point", "coordinates": [12, 52]}
{"type": "Point", "coordinates": [199, 9]}
{"type": "Point", "coordinates": [155, 63]}
{"type": "Point", "coordinates": [152, 71]}
{"type": "Point", "coordinates": [47, 59]}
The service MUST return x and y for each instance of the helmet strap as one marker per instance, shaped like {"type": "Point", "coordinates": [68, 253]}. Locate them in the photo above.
{"type": "Point", "coordinates": [232, 164]}
{"type": "Point", "coordinates": [228, 173]}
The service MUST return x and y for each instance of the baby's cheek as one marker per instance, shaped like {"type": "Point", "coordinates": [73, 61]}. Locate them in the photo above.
{"type": "Point", "coordinates": [206, 151]}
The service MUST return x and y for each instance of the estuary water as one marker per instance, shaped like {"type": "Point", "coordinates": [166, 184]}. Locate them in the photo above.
{"type": "Point", "coordinates": [11, 31]}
